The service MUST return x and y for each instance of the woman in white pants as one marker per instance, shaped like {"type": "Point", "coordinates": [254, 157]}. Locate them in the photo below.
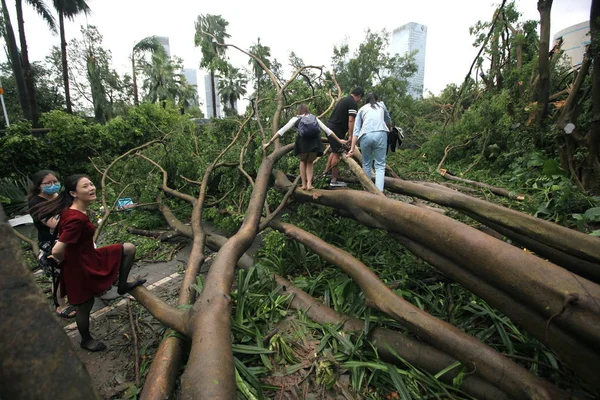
{"type": "Point", "coordinates": [371, 127]}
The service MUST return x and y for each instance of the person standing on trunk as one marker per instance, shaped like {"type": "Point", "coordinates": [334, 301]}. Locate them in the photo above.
{"type": "Point", "coordinates": [372, 125]}
{"type": "Point", "coordinates": [308, 144]}
{"type": "Point", "coordinates": [341, 122]}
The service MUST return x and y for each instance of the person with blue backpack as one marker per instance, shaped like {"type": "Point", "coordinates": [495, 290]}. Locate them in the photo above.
{"type": "Point", "coordinates": [308, 142]}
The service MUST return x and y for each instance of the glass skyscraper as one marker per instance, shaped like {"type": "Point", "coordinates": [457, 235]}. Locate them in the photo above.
{"type": "Point", "coordinates": [407, 39]}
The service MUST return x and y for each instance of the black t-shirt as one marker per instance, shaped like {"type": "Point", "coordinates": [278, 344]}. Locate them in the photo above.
{"type": "Point", "coordinates": [338, 122]}
{"type": "Point", "coordinates": [44, 234]}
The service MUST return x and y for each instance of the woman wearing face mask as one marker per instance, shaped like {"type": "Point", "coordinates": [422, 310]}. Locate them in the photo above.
{"type": "Point", "coordinates": [45, 187]}
{"type": "Point", "coordinates": [85, 271]}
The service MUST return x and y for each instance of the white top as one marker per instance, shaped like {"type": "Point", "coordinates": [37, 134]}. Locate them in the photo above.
{"type": "Point", "coordinates": [293, 121]}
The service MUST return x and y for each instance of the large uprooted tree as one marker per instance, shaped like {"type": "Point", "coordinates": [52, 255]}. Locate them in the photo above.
{"type": "Point", "coordinates": [553, 294]}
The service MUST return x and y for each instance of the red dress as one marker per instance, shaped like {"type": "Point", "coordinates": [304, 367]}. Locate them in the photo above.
{"type": "Point", "coordinates": [85, 271]}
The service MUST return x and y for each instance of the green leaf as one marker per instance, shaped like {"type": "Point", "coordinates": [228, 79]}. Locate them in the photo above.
{"type": "Point", "coordinates": [552, 167]}
{"type": "Point", "coordinates": [246, 349]}
{"type": "Point", "coordinates": [448, 368]}
{"type": "Point", "coordinates": [592, 214]}
{"type": "Point", "coordinates": [596, 233]}
{"type": "Point", "coordinates": [399, 383]}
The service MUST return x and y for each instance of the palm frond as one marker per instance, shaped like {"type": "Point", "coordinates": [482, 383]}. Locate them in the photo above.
{"type": "Point", "coordinates": [71, 8]}
{"type": "Point", "coordinates": [13, 194]}
{"type": "Point", "coordinates": [44, 11]}
{"type": "Point", "coordinates": [150, 43]}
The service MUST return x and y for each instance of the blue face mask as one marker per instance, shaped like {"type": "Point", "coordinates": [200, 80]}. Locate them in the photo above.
{"type": "Point", "coordinates": [51, 189]}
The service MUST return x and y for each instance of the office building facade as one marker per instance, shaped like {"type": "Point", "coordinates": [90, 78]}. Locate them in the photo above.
{"type": "Point", "coordinates": [406, 39]}
{"type": "Point", "coordinates": [209, 102]}
{"type": "Point", "coordinates": [165, 43]}
{"type": "Point", "coordinates": [575, 39]}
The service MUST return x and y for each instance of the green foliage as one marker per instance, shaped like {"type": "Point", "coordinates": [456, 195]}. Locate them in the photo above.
{"type": "Point", "coordinates": [13, 195]}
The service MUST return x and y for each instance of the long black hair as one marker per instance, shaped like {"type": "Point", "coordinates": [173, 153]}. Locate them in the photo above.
{"type": "Point", "coordinates": [372, 99]}
{"type": "Point", "coordinates": [57, 205]}
{"type": "Point", "coordinates": [36, 181]}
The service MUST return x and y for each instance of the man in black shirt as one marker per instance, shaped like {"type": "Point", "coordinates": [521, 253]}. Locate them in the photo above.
{"type": "Point", "coordinates": [341, 122]}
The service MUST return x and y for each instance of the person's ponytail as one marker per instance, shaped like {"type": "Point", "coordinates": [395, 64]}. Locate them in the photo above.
{"type": "Point", "coordinates": [372, 99]}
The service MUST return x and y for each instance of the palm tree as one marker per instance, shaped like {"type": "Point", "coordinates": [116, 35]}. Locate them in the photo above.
{"type": "Point", "coordinates": [212, 53]}
{"type": "Point", "coordinates": [262, 52]}
{"type": "Point", "coordinates": [44, 12]}
{"type": "Point", "coordinates": [151, 44]}
{"type": "Point", "coordinates": [68, 9]}
{"type": "Point", "coordinates": [15, 60]}
{"type": "Point", "coordinates": [232, 86]}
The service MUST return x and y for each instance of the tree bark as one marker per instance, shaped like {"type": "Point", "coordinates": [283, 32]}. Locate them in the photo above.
{"type": "Point", "coordinates": [543, 93]}
{"type": "Point", "coordinates": [545, 287]}
{"type": "Point", "coordinates": [65, 67]}
{"type": "Point", "coordinates": [579, 357]}
{"type": "Point", "coordinates": [514, 380]}
{"type": "Point", "coordinates": [414, 351]}
{"type": "Point", "coordinates": [214, 93]}
{"type": "Point", "coordinates": [27, 75]}
{"type": "Point", "coordinates": [591, 175]}
{"type": "Point", "coordinates": [568, 241]}
{"type": "Point", "coordinates": [37, 359]}
{"type": "Point", "coordinates": [15, 61]}
{"type": "Point", "coordinates": [134, 78]}
{"type": "Point", "coordinates": [210, 372]}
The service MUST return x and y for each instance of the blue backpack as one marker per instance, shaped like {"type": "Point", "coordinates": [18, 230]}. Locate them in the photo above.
{"type": "Point", "coordinates": [308, 127]}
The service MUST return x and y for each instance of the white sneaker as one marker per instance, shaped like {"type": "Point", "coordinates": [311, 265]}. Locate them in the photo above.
{"type": "Point", "coordinates": [338, 184]}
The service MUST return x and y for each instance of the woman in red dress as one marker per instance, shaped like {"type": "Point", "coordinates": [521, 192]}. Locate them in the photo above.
{"type": "Point", "coordinates": [85, 271]}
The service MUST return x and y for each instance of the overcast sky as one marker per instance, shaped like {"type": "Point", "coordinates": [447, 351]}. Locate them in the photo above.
{"type": "Point", "coordinates": [309, 28]}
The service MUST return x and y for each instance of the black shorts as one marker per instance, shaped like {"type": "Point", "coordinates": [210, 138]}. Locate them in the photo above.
{"type": "Point", "coordinates": [335, 146]}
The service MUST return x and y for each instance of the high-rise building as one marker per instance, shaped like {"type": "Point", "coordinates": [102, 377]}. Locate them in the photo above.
{"type": "Point", "coordinates": [191, 78]}
{"type": "Point", "coordinates": [209, 102]}
{"type": "Point", "coordinates": [406, 39]}
{"type": "Point", "coordinates": [165, 43]}
{"type": "Point", "coordinates": [575, 38]}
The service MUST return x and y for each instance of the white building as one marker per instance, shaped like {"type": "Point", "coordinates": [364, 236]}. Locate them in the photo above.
{"type": "Point", "coordinates": [209, 101]}
{"type": "Point", "coordinates": [407, 39]}
{"type": "Point", "coordinates": [575, 39]}
{"type": "Point", "coordinates": [165, 43]}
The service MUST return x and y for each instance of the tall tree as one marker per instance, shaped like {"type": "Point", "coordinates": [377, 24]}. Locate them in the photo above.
{"type": "Point", "coordinates": [68, 9]}
{"type": "Point", "coordinates": [212, 54]}
{"type": "Point", "coordinates": [165, 82]}
{"type": "Point", "coordinates": [15, 60]}
{"type": "Point", "coordinates": [41, 8]}
{"type": "Point", "coordinates": [149, 44]}
{"type": "Point", "coordinates": [593, 159]}
{"type": "Point", "coordinates": [232, 86]}
{"type": "Point", "coordinates": [543, 93]}
{"type": "Point", "coordinates": [262, 52]}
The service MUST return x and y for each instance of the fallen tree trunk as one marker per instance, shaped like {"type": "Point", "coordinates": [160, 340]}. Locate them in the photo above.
{"type": "Point", "coordinates": [385, 340]}
{"type": "Point", "coordinates": [162, 374]}
{"type": "Point", "coordinates": [514, 379]}
{"type": "Point", "coordinates": [568, 241]}
{"type": "Point", "coordinates": [541, 285]}
{"type": "Point", "coordinates": [37, 360]}
{"type": "Point", "coordinates": [579, 357]}
{"type": "Point", "coordinates": [494, 189]}
{"type": "Point", "coordinates": [210, 371]}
